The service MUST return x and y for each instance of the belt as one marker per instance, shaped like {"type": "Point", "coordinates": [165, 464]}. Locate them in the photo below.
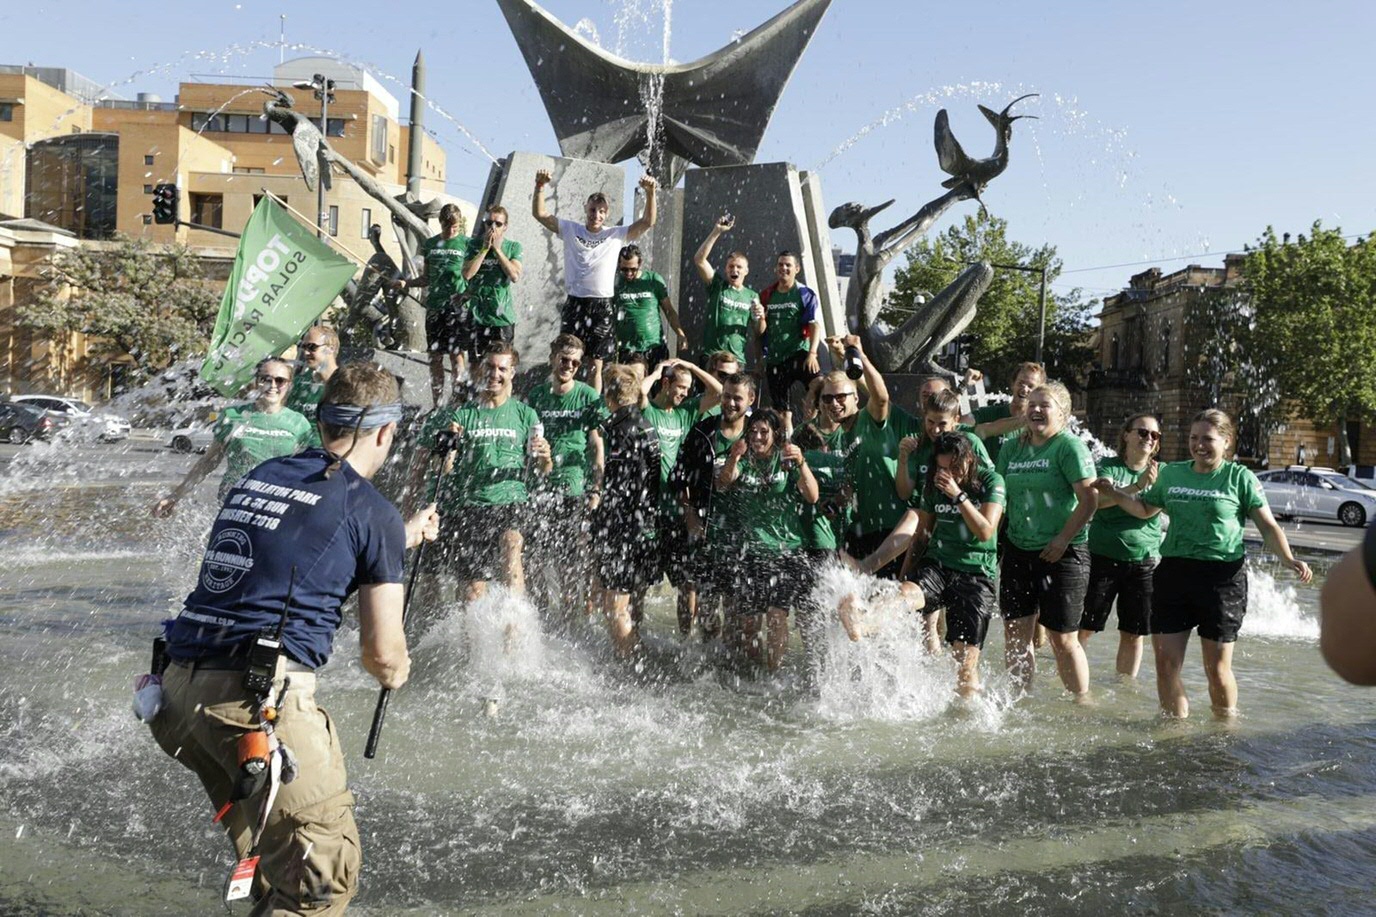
{"type": "Point", "coordinates": [231, 664]}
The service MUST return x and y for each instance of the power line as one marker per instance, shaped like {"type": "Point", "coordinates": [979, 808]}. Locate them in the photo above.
{"type": "Point", "coordinates": [1106, 267]}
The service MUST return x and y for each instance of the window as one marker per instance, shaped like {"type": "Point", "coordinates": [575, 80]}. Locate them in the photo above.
{"type": "Point", "coordinates": [148, 159]}
{"type": "Point", "coordinates": [1113, 353]}
{"type": "Point", "coordinates": [1164, 363]}
{"type": "Point", "coordinates": [367, 220]}
{"type": "Point", "coordinates": [208, 209]}
{"type": "Point", "coordinates": [391, 153]}
{"type": "Point", "coordinates": [247, 170]}
{"type": "Point", "coordinates": [147, 189]}
{"type": "Point", "coordinates": [379, 148]}
{"type": "Point", "coordinates": [236, 124]}
{"type": "Point", "coordinates": [335, 127]}
{"type": "Point", "coordinates": [6, 111]}
{"type": "Point", "coordinates": [334, 220]}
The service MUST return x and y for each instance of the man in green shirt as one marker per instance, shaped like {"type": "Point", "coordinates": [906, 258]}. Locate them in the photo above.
{"type": "Point", "coordinates": [319, 352]}
{"type": "Point", "coordinates": [730, 304]}
{"type": "Point", "coordinates": [444, 284]}
{"type": "Point", "coordinates": [483, 497]}
{"type": "Point", "coordinates": [641, 295]}
{"type": "Point", "coordinates": [788, 323]}
{"type": "Point", "coordinates": [492, 263]}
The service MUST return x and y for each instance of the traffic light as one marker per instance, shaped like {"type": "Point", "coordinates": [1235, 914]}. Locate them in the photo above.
{"type": "Point", "coordinates": [166, 203]}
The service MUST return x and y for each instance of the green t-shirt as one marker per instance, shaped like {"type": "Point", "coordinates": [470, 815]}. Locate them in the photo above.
{"type": "Point", "coordinates": [490, 464]}
{"type": "Point", "coordinates": [820, 532]}
{"type": "Point", "coordinates": [637, 311]}
{"type": "Point", "coordinates": [920, 461]}
{"type": "Point", "coordinates": [873, 468]}
{"type": "Point", "coordinates": [1039, 479]}
{"type": "Point", "coordinates": [728, 318]}
{"type": "Point", "coordinates": [567, 419]}
{"type": "Point", "coordinates": [953, 545]}
{"type": "Point", "coordinates": [671, 426]}
{"type": "Point", "coordinates": [1114, 533]}
{"type": "Point", "coordinates": [694, 404]}
{"type": "Point", "coordinates": [721, 531]}
{"type": "Point", "coordinates": [490, 288]}
{"type": "Point", "coordinates": [443, 270]}
{"type": "Point", "coordinates": [304, 398]}
{"type": "Point", "coordinates": [784, 326]}
{"type": "Point", "coordinates": [251, 437]}
{"type": "Point", "coordinates": [1207, 511]}
{"type": "Point", "coordinates": [767, 509]}
{"type": "Point", "coordinates": [989, 413]}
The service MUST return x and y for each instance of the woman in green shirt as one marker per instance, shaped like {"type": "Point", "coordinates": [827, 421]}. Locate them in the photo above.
{"type": "Point", "coordinates": [1201, 581]}
{"type": "Point", "coordinates": [770, 481]}
{"type": "Point", "coordinates": [1124, 550]}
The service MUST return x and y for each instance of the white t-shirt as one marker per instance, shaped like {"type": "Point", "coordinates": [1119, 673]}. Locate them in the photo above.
{"type": "Point", "coordinates": [590, 259]}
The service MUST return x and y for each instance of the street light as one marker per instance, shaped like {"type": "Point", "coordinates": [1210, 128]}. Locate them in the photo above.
{"type": "Point", "coordinates": [1041, 320]}
{"type": "Point", "coordinates": [324, 91]}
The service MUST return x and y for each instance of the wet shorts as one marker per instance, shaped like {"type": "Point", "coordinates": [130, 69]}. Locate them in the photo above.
{"type": "Point", "coordinates": [1210, 595]}
{"type": "Point", "coordinates": [673, 550]}
{"type": "Point", "coordinates": [593, 321]}
{"type": "Point", "coordinates": [651, 357]}
{"type": "Point", "coordinates": [770, 580]}
{"type": "Point", "coordinates": [862, 546]}
{"type": "Point", "coordinates": [622, 547]}
{"type": "Point", "coordinates": [446, 330]}
{"type": "Point", "coordinates": [470, 539]}
{"type": "Point", "coordinates": [1029, 585]}
{"type": "Point", "coordinates": [968, 598]}
{"type": "Point", "coordinates": [779, 379]}
{"type": "Point", "coordinates": [1128, 581]}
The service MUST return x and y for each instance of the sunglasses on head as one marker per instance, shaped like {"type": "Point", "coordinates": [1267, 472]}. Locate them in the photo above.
{"type": "Point", "coordinates": [273, 380]}
{"type": "Point", "coordinates": [1144, 433]}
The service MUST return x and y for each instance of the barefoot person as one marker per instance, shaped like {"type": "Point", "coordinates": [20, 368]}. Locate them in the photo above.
{"type": "Point", "coordinates": [1201, 582]}
{"type": "Point", "coordinates": [1124, 550]}
{"type": "Point", "coordinates": [730, 303]}
{"type": "Point", "coordinates": [247, 435]}
{"type": "Point", "coordinates": [1049, 476]}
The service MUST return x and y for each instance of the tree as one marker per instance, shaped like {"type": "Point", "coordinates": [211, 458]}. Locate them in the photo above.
{"type": "Point", "coordinates": [1314, 323]}
{"type": "Point", "coordinates": [1004, 330]}
{"type": "Point", "coordinates": [152, 304]}
{"type": "Point", "coordinates": [1228, 365]}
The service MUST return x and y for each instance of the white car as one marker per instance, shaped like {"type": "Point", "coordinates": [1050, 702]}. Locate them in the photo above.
{"type": "Point", "coordinates": [194, 432]}
{"type": "Point", "coordinates": [105, 427]}
{"type": "Point", "coordinates": [1318, 493]}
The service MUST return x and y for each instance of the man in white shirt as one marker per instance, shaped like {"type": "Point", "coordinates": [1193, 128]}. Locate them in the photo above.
{"type": "Point", "coordinates": [590, 253]}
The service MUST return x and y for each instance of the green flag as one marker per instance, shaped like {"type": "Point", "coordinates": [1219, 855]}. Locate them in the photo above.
{"type": "Point", "coordinates": [283, 279]}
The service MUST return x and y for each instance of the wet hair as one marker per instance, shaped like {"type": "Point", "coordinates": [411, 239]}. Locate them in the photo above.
{"type": "Point", "coordinates": [797, 262]}
{"type": "Point", "coordinates": [331, 337]}
{"type": "Point", "coordinates": [679, 371]}
{"type": "Point", "coordinates": [621, 385]}
{"type": "Point", "coordinates": [809, 438]}
{"type": "Point", "coordinates": [746, 379]}
{"type": "Point", "coordinates": [963, 467]}
{"type": "Point", "coordinates": [359, 384]}
{"type": "Point", "coordinates": [630, 251]}
{"type": "Point", "coordinates": [1029, 366]}
{"type": "Point", "coordinates": [944, 402]}
{"type": "Point", "coordinates": [738, 255]}
{"type": "Point", "coordinates": [450, 213]}
{"type": "Point", "coordinates": [567, 342]}
{"type": "Point", "coordinates": [1223, 423]}
{"type": "Point", "coordinates": [770, 418]}
{"type": "Point", "coordinates": [597, 197]}
{"type": "Point", "coordinates": [1127, 428]}
{"type": "Point", "coordinates": [499, 349]}
{"type": "Point", "coordinates": [837, 377]}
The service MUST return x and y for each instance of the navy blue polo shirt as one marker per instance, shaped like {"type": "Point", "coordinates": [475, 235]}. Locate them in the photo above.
{"type": "Point", "coordinates": [338, 533]}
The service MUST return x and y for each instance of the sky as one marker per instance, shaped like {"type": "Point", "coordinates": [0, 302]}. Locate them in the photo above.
{"type": "Point", "coordinates": [1170, 132]}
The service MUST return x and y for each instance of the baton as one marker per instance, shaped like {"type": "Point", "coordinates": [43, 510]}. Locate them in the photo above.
{"type": "Point", "coordinates": [384, 695]}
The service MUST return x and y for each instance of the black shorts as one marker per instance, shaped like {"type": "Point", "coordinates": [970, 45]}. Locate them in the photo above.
{"type": "Point", "coordinates": [1128, 581]}
{"type": "Point", "coordinates": [1029, 585]}
{"type": "Point", "coordinates": [1210, 595]}
{"type": "Point", "coordinates": [651, 357]}
{"type": "Point", "coordinates": [556, 522]}
{"type": "Point", "coordinates": [469, 543]}
{"type": "Point", "coordinates": [673, 551]}
{"type": "Point", "coordinates": [862, 546]}
{"type": "Point", "coordinates": [968, 598]}
{"type": "Point", "coordinates": [768, 580]}
{"type": "Point", "coordinates": [779, 379]}
{"type": "Point", "coordinates": [717, 566]}
{"type": "Point", "coordinates": [445, 329]}
{"type": "Point", "coordinates": [476, 338]}
{"type": "Point", "coordinates": [593, 321]}
{"type": "Point", "coordinates": [624, 559]}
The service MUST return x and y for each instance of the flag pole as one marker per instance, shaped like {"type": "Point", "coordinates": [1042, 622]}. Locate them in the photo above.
{"type": "Point", "coordinates": [305, 219]}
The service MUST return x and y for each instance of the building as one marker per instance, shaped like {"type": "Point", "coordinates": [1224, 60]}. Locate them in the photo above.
{"type": "Point", "coordinates": [75, 157]}
{"type": "Point", "coordinates": [1146, 347]}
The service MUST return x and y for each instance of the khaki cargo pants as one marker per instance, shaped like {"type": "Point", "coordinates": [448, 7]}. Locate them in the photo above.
{"type": "Point", "coordinates": [310, 852]}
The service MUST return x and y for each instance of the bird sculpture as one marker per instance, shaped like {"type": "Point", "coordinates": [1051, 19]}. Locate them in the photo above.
{"type": "Point", "coordinates": [312, 152]}
{"type": "Point", "coordinates": [976, 173]}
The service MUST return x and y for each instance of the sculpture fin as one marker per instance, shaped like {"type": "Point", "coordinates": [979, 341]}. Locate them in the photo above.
{"type": "Point", "coordinates": [949, 155]}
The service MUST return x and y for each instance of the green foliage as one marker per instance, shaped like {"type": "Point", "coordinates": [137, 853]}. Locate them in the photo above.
{"type": "Point", "coordinates": [150, 303]}
{"type": "Point", "coordinates": [1004, 331]}
{"type": "Point", "coordinates": [1313, 320]}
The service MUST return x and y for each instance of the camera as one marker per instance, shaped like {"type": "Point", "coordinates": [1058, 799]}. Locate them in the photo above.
{"type": "Point", "coordinates": [446, 441]}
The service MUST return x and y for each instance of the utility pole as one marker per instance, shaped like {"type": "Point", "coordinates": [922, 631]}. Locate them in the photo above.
{"type": "Point", "coordinates": [1041, 320]}
{"type": "Point", "coordinates": [413, 160]}
{"type": "Point", "coordinates": [324, 91]}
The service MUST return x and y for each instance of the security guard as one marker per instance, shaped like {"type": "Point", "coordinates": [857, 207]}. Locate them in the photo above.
{"type": "Point", "coordinates": [293, 540]}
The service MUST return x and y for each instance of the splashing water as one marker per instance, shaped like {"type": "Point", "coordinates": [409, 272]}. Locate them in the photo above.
{"type": "Point", "coordinates": [1274, 609]}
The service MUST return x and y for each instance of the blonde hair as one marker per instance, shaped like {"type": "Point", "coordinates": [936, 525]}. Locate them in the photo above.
{"type": "Point", "coordinates": [1223, 423]}
{"type": "Point", "coordinates": [1127, 428]}
{"type": "Point", "coordinates": [1060, 396]}
{"type": "Point", "coordinates": [621, 386]}
{"type": "Point", "coordinates": [1030, 367]}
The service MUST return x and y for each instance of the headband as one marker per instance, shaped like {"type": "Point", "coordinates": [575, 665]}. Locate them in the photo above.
{"type": "Point", "coordinates": [366, 417]}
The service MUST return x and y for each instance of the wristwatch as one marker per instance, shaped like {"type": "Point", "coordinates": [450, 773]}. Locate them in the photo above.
{"type": "Point", "coordinates": [961, 498]}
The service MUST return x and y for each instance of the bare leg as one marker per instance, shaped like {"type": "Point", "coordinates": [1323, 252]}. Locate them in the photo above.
{"type": "Point", "coordinates": [1018, 653]}
{"type": "Point", "coordinates": [472, 590]}
{"type": "Point", "coordinates": [931, 631]}
{"type": "Point", "coordinates": [742, 634]}
{"type": "Point", "coordinates": [1169, 650]}
{"type": "Point", "coordinates": [1039, 640]}
{"type": "Point", "coordinates": [853, 612]}
{"type": "Point", "coordinates": [1218, 666]}
{"type": "Point", "coordinates": [457, 364]}
{"type": "Point", "coordinates": [513, 570]}
{"type": "Point", "coordinates": [777, 645]}
{"type": "Point", "coordinates": [1070, 662]}
{"type": "Point", "coordinates": [1129, 653]}
{"type": "Point", "coordinates": [1085, 635]}
{"type": "Point", "coordinates": [687, 609]}
{"type": "Point", "coordinates": [617, 607]}
{"type": "Point", "coordinates": [967, 668]}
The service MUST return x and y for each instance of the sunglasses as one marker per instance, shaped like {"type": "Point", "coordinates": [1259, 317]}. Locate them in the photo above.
{"type": "Point", "coordinates": [273, 380]}
{"type": "Point", "coordinates": [311, 348]}
{"type": "Point", "coordinates": [836, 397]}
{"type": "Point", "coordinates": [1143, 433]}
{"type": "Point", "coordinates": [497, 223]}
{"type": "Point", "coordinates": [629, 271]}
{"type": "Point", "coordinates": [570, 361]}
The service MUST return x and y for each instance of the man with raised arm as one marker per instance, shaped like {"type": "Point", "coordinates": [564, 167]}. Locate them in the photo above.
{"type": "Point", "coordinates": [492, 263]}
{"type": "Point", "coordinates": [443, 280]}
{"type": "Point", "coordinates": [730, 304]}
{"type": "Point", "coordinates": [590, 256]}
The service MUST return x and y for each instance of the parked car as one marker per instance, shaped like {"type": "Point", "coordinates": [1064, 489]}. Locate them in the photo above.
{"type": "Point", "coordinates": [1318, 493]}
{"type": "Point", "coordinates": [193, 432]}
{"type": "Point", "coordinates": [99, 425]}
{"type": "Point", "coordinates": [20, 423]}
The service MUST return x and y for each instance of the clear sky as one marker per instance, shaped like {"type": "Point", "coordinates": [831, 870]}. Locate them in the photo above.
{"type": "Point", "coordinates": [1167, 129]}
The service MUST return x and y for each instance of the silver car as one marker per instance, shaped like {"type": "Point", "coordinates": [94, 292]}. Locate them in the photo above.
{"type": "Point", "coordinates": [105, 427]}
{"type": "Point", "coordinates": [1318, 493]}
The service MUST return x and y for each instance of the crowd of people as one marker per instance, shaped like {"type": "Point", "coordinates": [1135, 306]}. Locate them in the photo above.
{"type": "Point", "coordinates": [624, 467]}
